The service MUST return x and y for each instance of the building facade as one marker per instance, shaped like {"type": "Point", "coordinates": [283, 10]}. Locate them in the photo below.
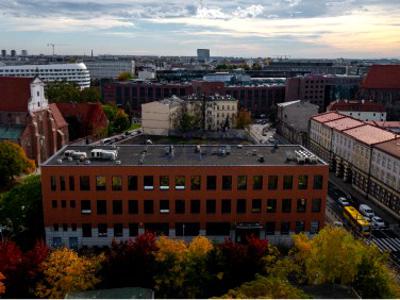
{"type": "Point", "coordinates": [109, 68]}
{"type": "Point", "coordinates": [361, 110]}
{"type": "Point", "coordinates": [183, 191]}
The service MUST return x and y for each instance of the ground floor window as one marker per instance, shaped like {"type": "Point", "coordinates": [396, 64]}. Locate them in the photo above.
{"type": "Point", "coordinates": [187, 229]}
{"type": "Point", "coordinates": [218, 228]}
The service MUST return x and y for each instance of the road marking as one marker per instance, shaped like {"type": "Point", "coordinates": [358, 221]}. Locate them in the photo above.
{"type": "Point", "coordinates": [380, 245]}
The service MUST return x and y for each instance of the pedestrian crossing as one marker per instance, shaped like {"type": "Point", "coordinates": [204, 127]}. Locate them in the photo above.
{"type": "Point", "coordinates": [386, 244]}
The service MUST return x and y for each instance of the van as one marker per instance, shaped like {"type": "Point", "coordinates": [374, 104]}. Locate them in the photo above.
{"type": "Point", "coordinates": [366, 211]}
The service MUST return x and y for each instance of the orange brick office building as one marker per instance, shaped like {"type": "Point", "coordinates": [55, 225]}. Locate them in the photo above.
{"type": "Point", "coordinates": [182, 191]}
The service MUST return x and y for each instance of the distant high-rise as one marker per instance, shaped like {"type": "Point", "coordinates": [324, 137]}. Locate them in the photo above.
{"type": "Point", "coordinates": [13, 53]}
{"type": "Point", "coordinates": [3, 53]}
{"type": "Point", "coordinates": [203, 55]}
{"type": "Point", "coordinates": [24, 52]}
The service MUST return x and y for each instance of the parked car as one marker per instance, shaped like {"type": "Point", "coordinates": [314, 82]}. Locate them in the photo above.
{"type": "Point", "coordinates": [338, 224]}
{"type": "Point", "coordinates": [366, 211]}
{"type": "Point", "coordinates": [377, 222]}
{"type": "Point", "coordinates": [342, 201]}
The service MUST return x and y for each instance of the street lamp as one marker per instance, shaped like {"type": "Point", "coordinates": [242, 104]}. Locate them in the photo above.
{"type": "Point", "coordinates": [183, 230]}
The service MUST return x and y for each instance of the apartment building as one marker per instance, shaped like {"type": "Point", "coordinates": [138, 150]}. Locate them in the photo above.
{"type": "Point", "coordinates": [361, 110]}
{"type": "Point", "coordinates": [92, 196]}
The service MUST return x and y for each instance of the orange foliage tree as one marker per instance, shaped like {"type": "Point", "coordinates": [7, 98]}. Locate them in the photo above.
{"type": "Point", "coordinates": [2, 286]}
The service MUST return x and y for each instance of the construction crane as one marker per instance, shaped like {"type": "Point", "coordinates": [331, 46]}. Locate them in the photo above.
{"type": "Point", "coordinates": [52, 46]}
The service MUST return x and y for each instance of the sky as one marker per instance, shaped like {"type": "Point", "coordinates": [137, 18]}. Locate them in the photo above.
{"type": "Point", "coordinates": [245, 28]}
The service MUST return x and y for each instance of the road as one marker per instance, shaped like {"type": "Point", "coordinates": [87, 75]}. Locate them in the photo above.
{"type": "Point", "coordinates": [263, 133]}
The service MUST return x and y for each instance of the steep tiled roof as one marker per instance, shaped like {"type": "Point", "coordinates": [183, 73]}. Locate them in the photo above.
{"type": "Point", "coordinates": [14, 94]}
{"type": "Point", "coordinates": [370, 135]}
{"type": "Point", "coordinates": [58, 118]}
{"type": "Point", "coordinates": [362, 106]}
{"type": "Point", "coordinates": [343, 124]}
{"type": "Point", "coordinates": [327, 117]}
{"type": "Point", "coordinates": [382, 77]}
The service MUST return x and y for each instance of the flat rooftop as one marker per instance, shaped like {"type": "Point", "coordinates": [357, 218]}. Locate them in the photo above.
{"type": "Point", "coordinates": [188, 155]}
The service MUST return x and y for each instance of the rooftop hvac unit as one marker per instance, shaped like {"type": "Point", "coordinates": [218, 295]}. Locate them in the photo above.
{"type": "Point", "coordinates": [102, 154]}
{"type": "Point", "coordinates": [75, 155]}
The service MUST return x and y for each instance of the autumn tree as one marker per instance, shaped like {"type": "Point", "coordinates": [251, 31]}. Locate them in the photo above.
{"type": "Point", "coordinates": [13, 162]}
{"type": "Point", "coordinates": [65, 272]}
{"type": "Point", "coordinates": [63, 91]}
{"type": "Point", "coordinates": [2, 286]}
{"type": "Point", "coordinates": [118, 119]}
{"type": "Point", "coordinates": [124, 76]}
{"type": "Point", "coordinates": [244, 119]}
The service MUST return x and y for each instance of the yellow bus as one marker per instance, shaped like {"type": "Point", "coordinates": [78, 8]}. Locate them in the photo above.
{"type": "Point", "coordinates": [356, 220]}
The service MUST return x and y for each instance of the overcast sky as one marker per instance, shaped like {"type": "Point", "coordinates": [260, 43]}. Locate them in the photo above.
{"type": "Point", "coordinates": [249, 28]}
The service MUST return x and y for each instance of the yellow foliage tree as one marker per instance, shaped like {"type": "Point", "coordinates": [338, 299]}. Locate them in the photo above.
{"type": "Point", "coordinates": [2, 286]}
{"type": "Point", "coordinates": [65, 272]}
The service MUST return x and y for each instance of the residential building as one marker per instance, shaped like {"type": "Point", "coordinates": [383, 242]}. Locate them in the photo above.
{"type": "Point", "coordinates": [393, 126]}
{"type": "Point", "coordinates": [293, 120]}
{"type": "Point", "coordinates": [76, 73]}
{"type": "Point", "coordinates": [203, 55]}
{"type": "Point", "coordinates": [361, 110]}
{"type": "Point", "coordinates": [182, 191]}
{"type": "Point", "coordinates": [27, 118]}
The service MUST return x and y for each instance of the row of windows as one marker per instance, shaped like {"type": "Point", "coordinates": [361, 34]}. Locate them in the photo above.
{"type": "Point", "coordinates": [195, 182]}
{"type": "Point", "coordinates": [184, 229]}
{"type": "Point", "coordinates": [182, 206]}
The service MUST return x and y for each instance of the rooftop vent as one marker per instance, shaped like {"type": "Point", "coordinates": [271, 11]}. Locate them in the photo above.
{"type": "Point", "coordinates": [261, 159]}
{"type": "Point", "coordinates": [74, 155]}
{"type": "Point", "coordinates": [240, 146]}
{"type": "Point", "coordinates": [59, 161]}
{"type": "Point", "coordinates": [102, 154]}
{"type": "Point", "coordinates": [87, 162]}
{"type": "Point", "coordinates": [118, 162]}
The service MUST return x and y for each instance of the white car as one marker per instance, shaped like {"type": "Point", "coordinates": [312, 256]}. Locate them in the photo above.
{"type": "Point", "coordinates": [366, 211]}
{"type": "Point", "coordinates": [377, 222]}
{"type": "Point", "coordinates": [343, 201]}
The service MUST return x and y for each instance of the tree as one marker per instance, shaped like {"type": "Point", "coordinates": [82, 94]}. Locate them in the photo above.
{"type": "Point", "coordinates": [187, 122]}
{"type": "Point", "coordinates": [65, 272]}
{"type": "Point", "coordinates": [90, 94]}
{"type": "Point", "coordinates": [62, 91]}
{"type": "Point", "coordinates": [121, 121]}
{"type": "Point", "coordinates": [2, 286]}
{"type": "Point", "coordinates": [243, 119]}
{"type": "Point", "coordinates": [124, 76]}
{"type": "Point", "coordinates": [13, 162]}
{"type": "Point", "coordinates": [11, 265]}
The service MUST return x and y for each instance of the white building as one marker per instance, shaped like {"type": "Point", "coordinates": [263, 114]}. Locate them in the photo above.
{"type": "Point", "coordinates": [76, 73]}
{"type": "Point", "coordinates": [102, 68]}
{"type": "Point", "coordinates": [361, 110]}
{"type": "Point", "coordinates": [146, 75]}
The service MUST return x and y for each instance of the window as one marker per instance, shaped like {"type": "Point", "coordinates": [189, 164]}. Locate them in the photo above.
{"type": "Point", "coordinates": [257, 182]}
{"type": "Point", "coordinates": [314, 227]}
{"type": "Point", "coordinates": [73, 227]}
{"type": "Point", "coordinates": [53, 203]}
{"type": "Point", "coordinates": [195, 206]}
{"type": "Point", "coordinates": [101, 207]}
{"type": "Point", "coordinates": [272, 182]}
{"type": "Point", "coordinates": [100, 183]}
{"type": "Point", "coordinates": [71, 183]}
{"type": "Point", "coordinates": [271, 205]}
{"type": "Point", "coordinates": [226, 206]}
{"type": "Point", "coordinates": [270, 228]}
{"type": "Point", "coordinates": [179, 206]}
{"type": "Point", "coordinates": [256, 206]}
{"type": "Point", "coordinates": [132, 183]}
{"type": "Point", "coordinates": [187, 229]}
{"type": "Point", "coordinates": [316, 205]}
{"type": "Point", "coordinates": [218, 228]}
{"type": "Point", "coordinates": [102, 228]}
{"type": "Point", "coordinates": [164, 183]}
{"type": "Point", "coordinates": [117, 183]}
{"type": "Point", "coordinates": [211, 206]}
{"type": "Point", "coordinates": [53, 183]}
{"type": "Point", "coordinates": [148, 207]}
{"type": "Point", "coordinates": [195, 183]}
{"type": "Point", "coordinates": [285, 227]}
{"type": "Point", "coordinates": [86, 207]}
{"type": "Point", "coordinates": [242, 183]}
{"type": "Point", "coordinates": [84, 183]}
{"type": "Point", "coordinates": [117, 207]}
{"type": "Point", "coordinates": [86, 230]}
{"type": "Point", "coordinates": [299, 226]}
{"type": "Point", "coordinates": [286, 205]}
{"type": "Point", "coordinates": [148, 183]}
{"type": "Point", "coordinates": [211, 183]}
{"type": "Point", "coordinates": [301, 205]}
{"type": "Point", "coordinates": [303, 181]}
{"type": "Point", "coordinates": [133, 229]}
{"type": "Point", "coordinates": [63, 203]}
{"type": "Point", "coordinates": [227, 183]}
{"type": "Point", "coordinates": [133, 208]}
{"type": "Point", "coordinates": [72, 203]}
{"type": "Point", "coordinates": [179, 182]}
{"type": "Point", "coordinates": [241, 206]}
{"type": "Point", "coordinates": [62, 183]}
{"type": "Point", "coordinates": [164, 206]}
{"type": "Point", "coordinates": [118, 230]}
{"type": "Point", "coordinates": [318, 182]}
{"type": "Point", "coordinates": [287, 182]}
{"type": "Point", "coordinates": [55, 227]}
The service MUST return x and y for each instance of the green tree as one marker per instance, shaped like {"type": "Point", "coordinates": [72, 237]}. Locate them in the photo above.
{"type": "Point", "coordinates": [13, 162]}
{"type": "Point", "coordinates": [187, 122]}
{"type": "Point", "coordinates": [62, 91]}
{"type": "Point", "coordinates": [124, 76]}
{"type": "Point", "coordinates": [90, 94]}
{"type": "Point", "coordinates": [121, 121]}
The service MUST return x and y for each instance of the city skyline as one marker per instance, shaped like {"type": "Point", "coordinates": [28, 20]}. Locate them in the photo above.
{"type": "Point", "coordinates": [297, 28]}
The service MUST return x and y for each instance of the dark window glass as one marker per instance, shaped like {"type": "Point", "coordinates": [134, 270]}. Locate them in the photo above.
{"type": "Point", "coordinates": [195, 183]}
{"type": "Point", "coordinates": [256, 206]}
{"type": "Point", "coordinates": [286, 205]}
{"type": "Point", "coordinates": [272, 182]}
{"type": "Point", "coordinates": [271, 205]}
{"type": "Point", "coordinates": [84, 183]}
{"type": "Point", "coordinates": [241, 206]}
{"type": "Point", "coordinates": [187, 229]}
{"type": "Point", "coordinates": [54, 203]}
{"type": "Point", "coordinates": [148, 182]}
{"type": "Point", "coordinates": [195, 206]}
{"type": "Point", "coordinates": [63, 203]}
{"type": "Point", "coordinates": [65, 227]}
{"type": "Point", "coordinates": [218, 228]}
{"type": "Point", "coordinates": [301, 205]}
{"type": "Point", "coordinates": [53, 183]}
{"type": "Point", "coordinates": [179, 182]}
{"type": "Point", "coordinates": [226, 206]}
{"type": "Point", "coordinates": [211, 206]}
{"type": "Point", "coordinates": [285, 227]}
{"type": "Point", "coordinates": [117, 207]}
{"type": "Point", "coordinates": [148, 206]}
{"type": "Point", "coordinates": [62, 183]}
{"type": "Point", "coordinates": [74, 227]}
{"type": "Point", "coordinates": [179, 206]}
{"type": "Point", "coordinates": [118, 229]}
{"type": "Point", "coordinates": [287, 182]}
{"type": "Point", "coordinates": [211, 183]}
{"type": "Point", "coordinates": [242, 183]}
{"type": "Point", "coordinates": [72, 203]}
{"type": "Point", "coordinates": [299, 226]}
{"type": "Point", "coordinates": [87, 230]}
{"type": "Point", "coordinates": [101, 207]}
{"type": "Point", "coordinates": [303, 182]}
{"type": "Point", "coordinates": [133, 207]}
{"type": "Point", "coordinates": [316, 205]}
{"type": "Point", "coordinates": [318, 182]}
{"type": "Point", "coordinates": [117, 183]}
{"type": "Point", "coordinates": [102, 228]}
{"type": "Point", "coordinates": [270, 228]}
{"type": "Point", "coordinates": [100, 183]}
{"type": "Point", "coordinates": [164, 182]}
{"type": "Point", "coordinates": [257, 182]}
{"type": "Point", "coordinates": [133, 229]}
{"type": "Point", "coordinates": [86, 207]}
{"type": "Point", "coordinates": [157, 228]}
{"type": "Point", "coordinates": [71, 183]}
{"type": "Point", "coordinates": [227, 183]}
{"type": "Point", "coordinates": [164, 206]}
{"type": "Point", "coordinates": [55, 227]}
{"type": "Point", "coordinates": [132, 183]}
